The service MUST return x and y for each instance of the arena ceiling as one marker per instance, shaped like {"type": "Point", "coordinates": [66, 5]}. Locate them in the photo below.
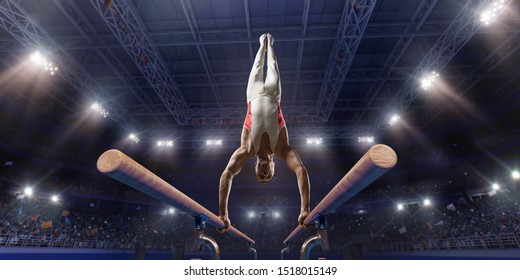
{"type": "Point", "coordinates": [178, 69]}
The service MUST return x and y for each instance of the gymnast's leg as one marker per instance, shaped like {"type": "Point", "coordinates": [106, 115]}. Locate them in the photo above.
{"type": "Point", "coordinates": [272, 81]}
{"type": "Point", "coordinates": [255, 84]}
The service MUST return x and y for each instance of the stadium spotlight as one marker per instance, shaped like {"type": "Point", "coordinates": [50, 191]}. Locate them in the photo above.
{"type": "Point", "coordinates": [427, 202]}
{"type": "Point", "coordinates": [214, 142]}
{"type": "Point", "coordinates": [99, 109]}
{"type": "Point", "coordinates": [314, 141]}
{"type": "Point", "coordinates": [43, 62]}
{"type": "Point", "coordinates": [28, 191]}
{"type": "Point", "coordinates": [165, 143]}
{"type": "Point", "coordinates": [366, 139]}
{"type": "Point", "coordinates": [55, 198]}
{"type": "Point", "coordinates": [515, 174]}
{"type": "Point", "coordinates": [251, 214]}
{"type": "Point", "coordinates": [428, 80]}
{"type": "Point", "coordinates": [496, 187]}
{"type": "Point", "coordinates": [492, 11]}
{"type": "Point", "coordinates": [134, 138]}
{"type": "Point", "coordinates": [394, 120]}
{"type": "Point", "coordinates": [171, 210]}
{"type": "Point", "coordinates": [276, 214]}
{"type": "Point", "coordinates": [400, 206]}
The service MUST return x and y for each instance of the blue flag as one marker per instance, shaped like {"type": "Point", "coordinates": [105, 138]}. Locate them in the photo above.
{"type": "Point", "coordinates": [67, 220]}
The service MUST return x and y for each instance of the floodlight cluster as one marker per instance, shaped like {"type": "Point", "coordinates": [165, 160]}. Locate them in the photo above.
{"type": "Point", "coordinates": [165, 143]}
{"type": "Point", "coordinates": [99, 109]}
{"type": "Point", "coordinates": [366, 139]}
{"type": "Point", "coordinates": [214, 142]}
{"type": "Point", "coordinates": [134, 138]}
{"type": "Point", "coordinates": [314, 141]}
{"type": "Point", "coordinates": [492, 12]}
{"type": "Point", "coordinates": [394, 120]}
{"type": "Point", "coordinates": [43, 62]}
{"type": "Point", "coordinates": [428, 80]}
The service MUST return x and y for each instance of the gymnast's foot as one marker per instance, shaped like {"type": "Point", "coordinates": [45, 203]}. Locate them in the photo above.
{"type": "Point", "coordinates": [263, 39]}
{"type": "Point", "coordinates": [270, 39]}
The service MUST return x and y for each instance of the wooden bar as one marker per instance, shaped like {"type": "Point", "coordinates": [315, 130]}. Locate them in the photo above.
{"type": "Point", "coordinates": [378, 160]}
{"type": "Point", "coordinates": [121, 167]}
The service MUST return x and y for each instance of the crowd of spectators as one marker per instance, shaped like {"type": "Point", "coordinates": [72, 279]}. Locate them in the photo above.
{"type": "Point", "coordinates": [477, 216]}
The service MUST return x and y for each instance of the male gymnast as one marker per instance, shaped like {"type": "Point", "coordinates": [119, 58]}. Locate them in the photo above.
{"type": "Point", "coordinates": [264, 133]}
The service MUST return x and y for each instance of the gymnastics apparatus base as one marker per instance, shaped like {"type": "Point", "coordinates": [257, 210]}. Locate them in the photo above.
{"type": "Point", "coordinates": [378, 160]}
{"type": "Point", "coordinates": [119, 166]}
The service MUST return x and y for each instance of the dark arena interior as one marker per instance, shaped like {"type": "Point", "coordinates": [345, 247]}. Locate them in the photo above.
{"type": "Point", "coordinates": [164, 82]}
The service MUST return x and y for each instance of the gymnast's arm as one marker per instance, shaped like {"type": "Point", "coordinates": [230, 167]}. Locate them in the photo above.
{"type": "Point", "coordinates": [294, 163]}
{"type": "Point", "coordinates": [235, 164]}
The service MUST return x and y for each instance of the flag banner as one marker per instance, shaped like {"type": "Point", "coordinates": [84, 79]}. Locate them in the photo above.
{"type": "Point", "coordinates": [440, 223]}
{"type": "Point", "coordinates": [492, 193]}
{"type": "Point", "coordinates": [67, 220]}
{"type": "Point", "coordinates": [429, 224]}
{"type": "Point", "coordinates": [402, 230]}
{"type": "Point", "coordinates": [65, 213]}
{"type": "Point", "coordinates": [47, 224]}
{"type": "Point", "coordinates": [34, 217]}
{"type": "Point", "coordinates": [93, 231]}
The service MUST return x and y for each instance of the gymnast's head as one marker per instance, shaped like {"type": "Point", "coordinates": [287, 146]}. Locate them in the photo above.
{"type": "Point", "coordinates": [264, 168]}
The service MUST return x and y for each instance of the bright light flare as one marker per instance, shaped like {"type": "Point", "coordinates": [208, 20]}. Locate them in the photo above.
{"type": "Point", "coordinates": [99, 109]}
{"type": "Point", "coordinates": [427, 202]}
{"type": "Point", "coordinates": [44, 63]}
{"type": "Point", "coordinates": [251, 215]}
{"type": "Point", "coordinates": [400, 206]}
{"type": "Point", "coordinates": [55, 198]}
{"type": "Point", "coordinates": [277, 214]}
{"type": "Point", "coordinates": [496, 187]}
{"type": "Point", "coordinates": [366, 139]}
{"type": "Point", "coordinates": [134, 138]}
{"type": "Point", "coordinates": [394, 120]}
{"type": "Point", "coordinates": [171, 211]}
{"type": "Point", "coordinates": [214, 142]}
{"type": "Point", "coordinates": [428, 80]}
{"type": "Point", "coordinates": [491, 13]}
{"type": "Point", "coordinates": [28, 191]}
{"type": "Point", "coordinates": [314, 141]}
{"type": "Point", "coordinates": [165, 143]}
{"type": "Point", "coordinates": [515, 174]}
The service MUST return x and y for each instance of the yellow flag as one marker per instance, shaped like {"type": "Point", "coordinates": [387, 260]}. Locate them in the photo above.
{"type": "Point", "coordinates": [47, 224]}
